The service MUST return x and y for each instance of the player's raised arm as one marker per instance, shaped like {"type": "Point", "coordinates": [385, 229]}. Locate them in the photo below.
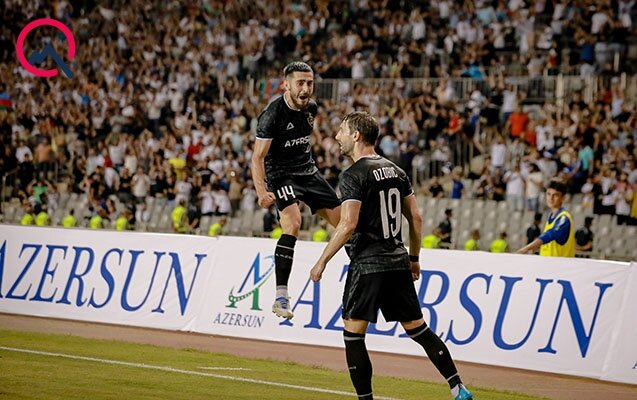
{"type": "Point", "coordinates": [261, 148]}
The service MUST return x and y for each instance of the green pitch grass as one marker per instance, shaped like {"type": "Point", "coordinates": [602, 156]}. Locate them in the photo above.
{"type": "Point", "coordinates": [105, 369]}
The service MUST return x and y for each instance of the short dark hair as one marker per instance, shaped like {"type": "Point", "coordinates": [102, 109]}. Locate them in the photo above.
{"type": "Point", "coordinates": [558, 184]}
{"type": "Point", "coordinates": [296, 66]}
{"type": "Point", "coordinates": [364, 123]}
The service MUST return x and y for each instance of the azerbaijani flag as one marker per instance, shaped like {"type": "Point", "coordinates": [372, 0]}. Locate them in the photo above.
{"type": "Point", "coordinates": [5, 102]}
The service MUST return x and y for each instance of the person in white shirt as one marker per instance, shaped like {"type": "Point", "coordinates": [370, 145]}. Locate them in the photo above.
{"type": "Point", "coordinates": [534, 185]}
{"type": "Point", "coordinates": [208, 205]}
{"type": "Point", "coordinates": [22, 151]}
{"type": "Point", "coordinates": [249, 200]}
{"type": "Point", "coordinates": [498, 153]}
{"type": "Point", "coordinates": [141, 184]}
{"type": "Point", "coordinates": [515, 189]}
{"type": "Point", "coordinates": [221, 200]}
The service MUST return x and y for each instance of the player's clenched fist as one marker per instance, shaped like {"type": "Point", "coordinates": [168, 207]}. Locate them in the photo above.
{"type": "Point", "coordinates": [266, 199]}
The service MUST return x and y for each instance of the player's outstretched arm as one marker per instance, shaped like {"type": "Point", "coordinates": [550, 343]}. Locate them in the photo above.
{"type": "Point", "coordinates": [534, 245]}
{"type": "Point", "coordinates": [414, 219]}
{"type": "Point", "coordinates": [344, 230]}
{"type": "Point", "coordinates": [261, 148]}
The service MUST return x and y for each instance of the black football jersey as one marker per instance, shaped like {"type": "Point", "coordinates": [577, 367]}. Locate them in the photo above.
{"type": "Point", "coordinates": [290, 130]}
{"type": "Point", "coordinates": [380, 186]}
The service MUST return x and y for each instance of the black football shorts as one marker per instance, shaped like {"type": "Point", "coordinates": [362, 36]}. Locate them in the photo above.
{"type": "Point", "coordinates": [391, 292]}
{"type": "Point", "coordinates": [313, 190]}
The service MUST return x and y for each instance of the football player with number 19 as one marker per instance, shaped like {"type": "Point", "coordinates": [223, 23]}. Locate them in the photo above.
{"type": "Point", "coordinates": [375, 195]}
{"type": "Point", "coordinates": [284, 172]}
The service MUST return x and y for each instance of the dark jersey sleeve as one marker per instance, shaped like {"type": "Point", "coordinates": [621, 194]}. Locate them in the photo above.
{"type": "Point", "coordinates": [266, 122]}
{"type": "Point", "coordinates": [406, 189]}
{"type": "Point", "coordinates": [350, 186]}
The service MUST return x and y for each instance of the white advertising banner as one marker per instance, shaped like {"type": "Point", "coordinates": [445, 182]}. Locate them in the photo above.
{"type": "Point", "coordinates": [571, 316]}
{"type": "Point", "coordinates": [149, 280]}
{"type": "Point", "coordinates": [621, 362]}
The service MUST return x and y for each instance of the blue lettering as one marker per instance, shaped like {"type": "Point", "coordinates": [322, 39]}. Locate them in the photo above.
{"type": "Point", "coordinates": [75, 276]}
{"type": "Point", "coordinates": [49, 272]}
{"type": "Point", "coordinates": [471, 307]}
{"type": "Point", "coordinates": [331, 325]}
{"type": "Point", "coordinates": [568, 296]}
{"type": "Point", "coordinates": [2, 250]}
{"type": "Point", "coordinates": [131, 269]}
{"type": "Point", "coordinates": [108, 277]}
{"type": "Point", "coordinates": [314, 302]}
{"type": "Point", "coordinates": [179, 280]}
{"type": "Point", "coordinates": [499, 321]}
{"type": "Point", "coordinates": [426, 277]}
{"type": "Point", "coordinates": [10, 294]}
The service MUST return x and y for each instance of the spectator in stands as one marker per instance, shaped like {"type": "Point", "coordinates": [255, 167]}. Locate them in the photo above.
{"type": "Point", "coordinates": [534, 231]}
{"type": "Point", "coordinates": [514, 188]}
{"type": "Point", "coordinates": [584, 236]}
{"type": "Point", "coordinates": [435, 188]}
{"type": "Point", "coordinates": [457, 186]}
{"type": "Point", "coordinates": [517, 122]}
{"type": "Point", "coordinates": [500, 244]}
{"type": "Point", "coordinates": [140, 185]}
{"type": "Point", "coordinates": [534, 185]}
{"type": "Point", "coordinates": [142, 215]}
{"type": "Point", "coordinates": [445, 228]}
{"type": "Point", "coordinates": [249, 197]}
{"type": "Point", "coordinates": [624, 193]}
{"type": "Point", "coordinates": [269, 219]}
{"type": "Point", "coordinates": [473, 243]}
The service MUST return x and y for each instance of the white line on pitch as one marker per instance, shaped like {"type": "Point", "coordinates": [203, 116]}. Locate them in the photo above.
{"type": "Point", "coordinates": [186, 372]}
{"type": "Point", "coordinates": [225, 368]}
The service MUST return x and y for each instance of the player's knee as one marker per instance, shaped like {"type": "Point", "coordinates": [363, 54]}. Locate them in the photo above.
{"type": "Point", "coordinates": [292, 227]}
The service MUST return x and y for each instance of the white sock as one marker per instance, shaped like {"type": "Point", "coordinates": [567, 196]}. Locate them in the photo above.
{"type": "Point", "coordinates": [455, 390]}
{"type": "Point", "coordinates": [282, 291]}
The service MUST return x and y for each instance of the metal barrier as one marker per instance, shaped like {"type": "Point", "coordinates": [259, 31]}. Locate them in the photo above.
{"type": "Point", "coordinates": [10, 177]}
{"type": "Point", "coordinates": [558, 88]}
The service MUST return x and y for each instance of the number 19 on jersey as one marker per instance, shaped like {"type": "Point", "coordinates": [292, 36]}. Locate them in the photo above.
{"type": "Point", "coordinates": [390, 212]}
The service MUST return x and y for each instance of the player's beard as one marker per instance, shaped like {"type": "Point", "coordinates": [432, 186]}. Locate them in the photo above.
{"type": "Point", "coordinates": [298, 102]}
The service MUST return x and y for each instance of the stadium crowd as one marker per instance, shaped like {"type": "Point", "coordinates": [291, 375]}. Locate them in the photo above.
{"type": "Point", "coordinates": [160, 106]}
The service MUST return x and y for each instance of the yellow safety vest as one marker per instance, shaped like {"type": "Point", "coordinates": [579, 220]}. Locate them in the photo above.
{"type": "Point", "coordinates": [430, 242]}
{"type": "Point", "coordinates": [28, 219]}
{"type": "Point", "coordinates": [276, 233]}
{"type": "Point", "coordinates": [320, 236]}
{"type": "Point", "coordinates": [179, 215]}
{"type": "Point", "coordinates": [499, 246]}
{"type": "Point", "coordinates": [69, 221]}
{"type": "Point", "coordinates": [42, 219]}
{"type": "Point", "coordinates": [121, 224]}
{"type": "Point", "coordinates": [215, 229]}
{"type": "Point", "coordinates": [471, 245]}
{"type": "Point", "coordinates": [554, 249]}
{"type": "Point", "coordinates": [96, 222]}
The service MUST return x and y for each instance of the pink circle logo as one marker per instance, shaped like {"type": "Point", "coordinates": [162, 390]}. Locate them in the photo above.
{"type": "Point", "coordinates": [48, 52]}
